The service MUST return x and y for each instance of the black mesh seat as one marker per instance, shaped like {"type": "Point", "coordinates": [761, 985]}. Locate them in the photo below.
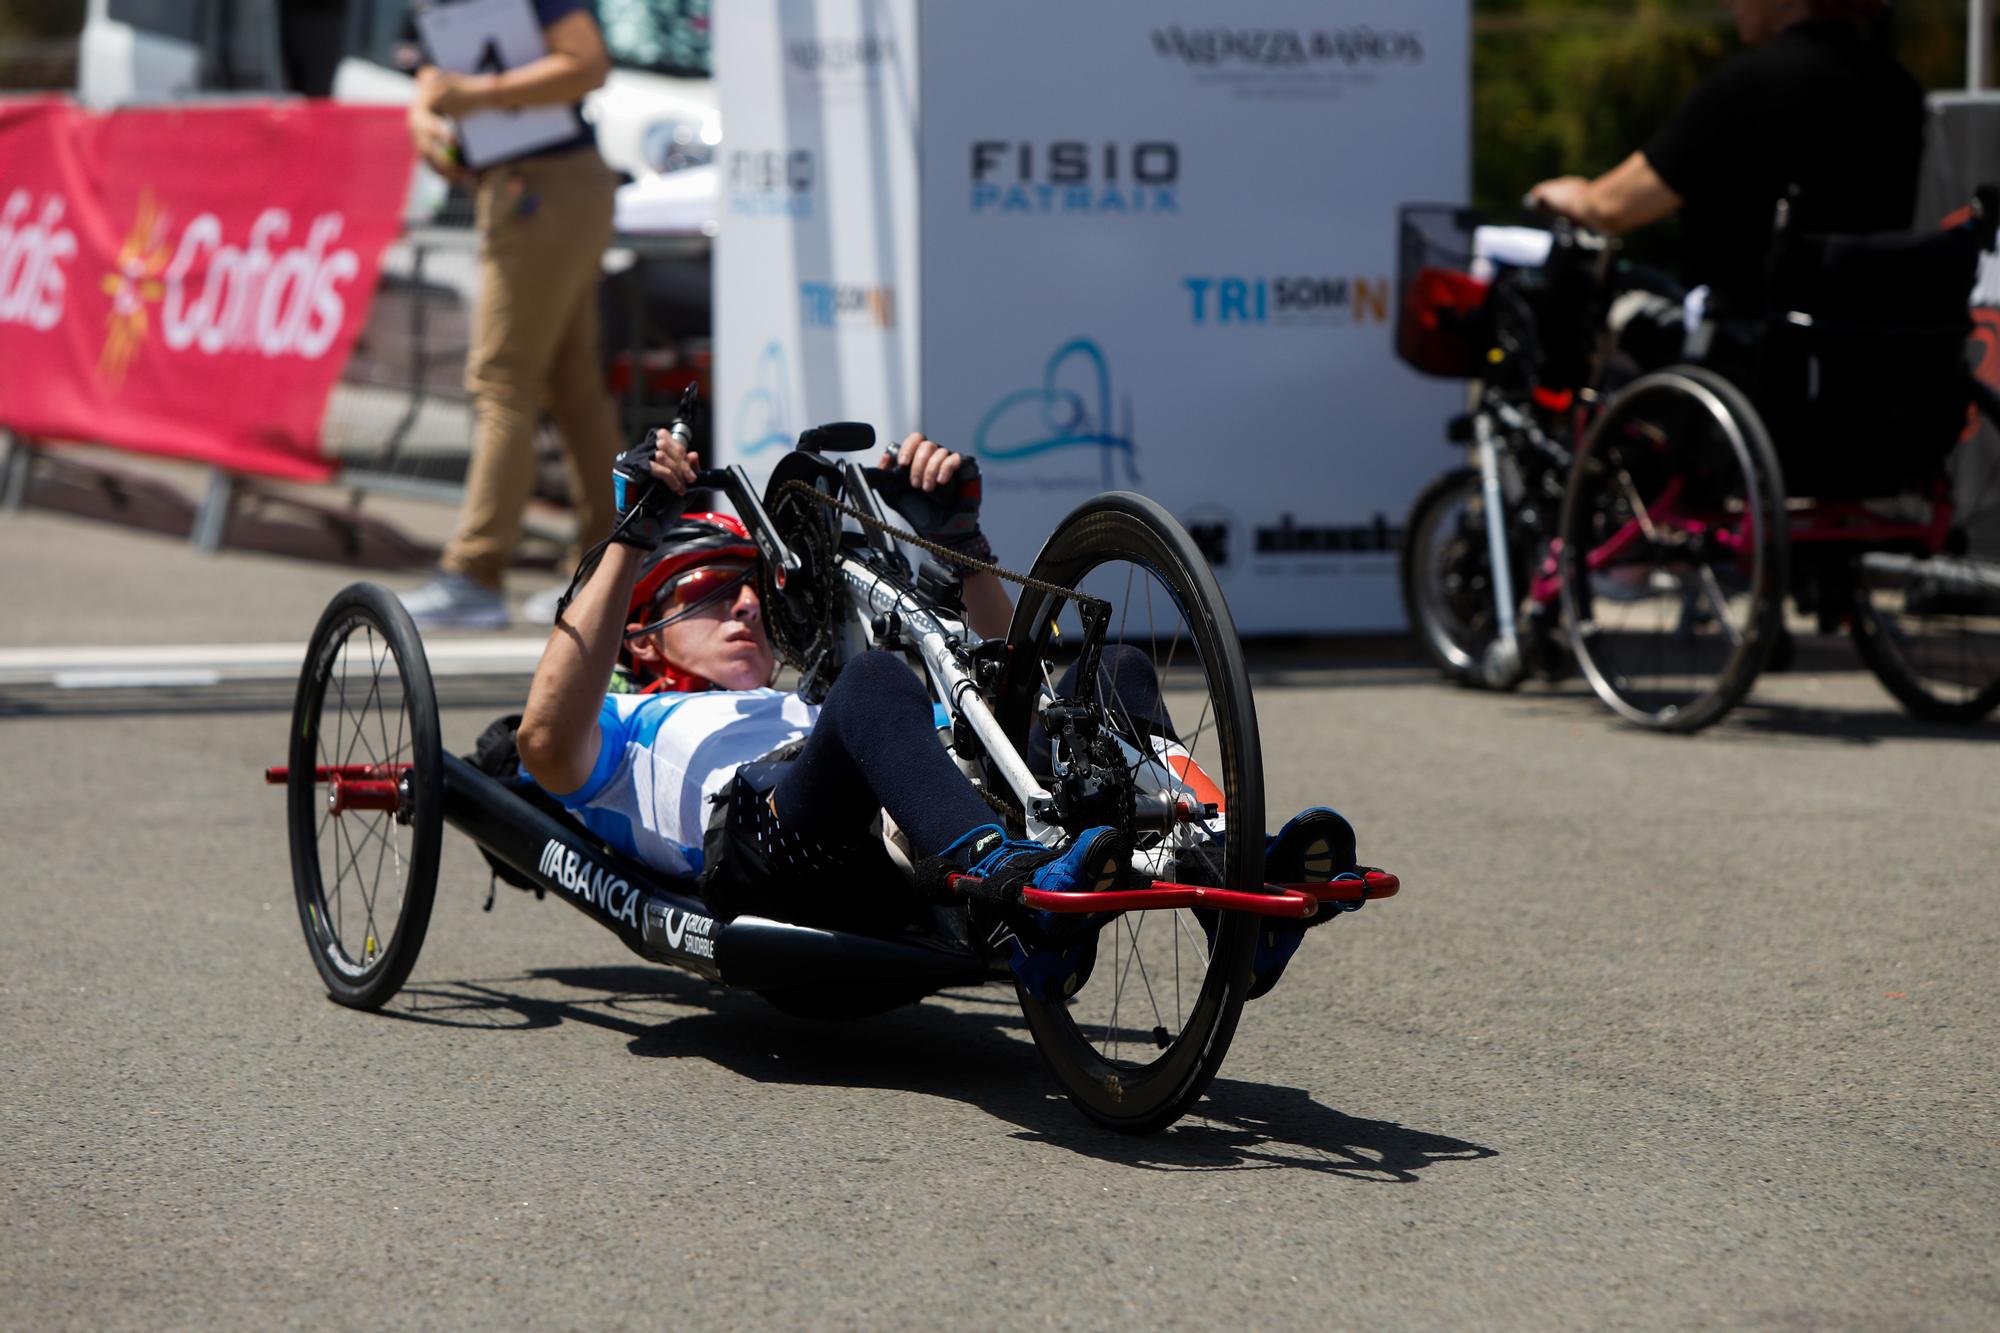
{"type": "Point", "coordinates": [1863, 374]}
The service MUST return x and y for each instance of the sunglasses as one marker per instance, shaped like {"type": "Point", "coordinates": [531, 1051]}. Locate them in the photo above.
{"type": "Point", "coordinates": [701, 589]}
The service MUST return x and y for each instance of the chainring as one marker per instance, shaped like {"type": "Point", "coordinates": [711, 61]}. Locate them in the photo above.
{"type": "Point", "coordinates": [802, 618]}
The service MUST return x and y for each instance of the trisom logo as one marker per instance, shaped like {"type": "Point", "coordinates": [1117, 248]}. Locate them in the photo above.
{"type": "Point", "coordinates": [593, 884]}
{"type": "Point", "coordinates": [1220, 299]}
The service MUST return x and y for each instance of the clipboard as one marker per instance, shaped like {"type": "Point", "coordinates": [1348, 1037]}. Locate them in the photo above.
{"type": "Point", "coordinates": [486, 37]}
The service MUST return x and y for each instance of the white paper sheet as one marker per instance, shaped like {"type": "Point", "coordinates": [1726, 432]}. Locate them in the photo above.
{"type": "Point", "coordinates": [487, 36]}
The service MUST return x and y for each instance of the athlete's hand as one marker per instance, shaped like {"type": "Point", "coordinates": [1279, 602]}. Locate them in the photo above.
{"type": "Point", "coordinates": [929, 464]}
{"type": "Point", "coordinates": [947, 512]}
{"type": "Point", "coordinates": [648, 483]}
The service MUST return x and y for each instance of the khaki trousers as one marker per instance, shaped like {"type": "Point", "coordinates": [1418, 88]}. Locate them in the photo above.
{"type": "Point", "coordinates": [543, 226]}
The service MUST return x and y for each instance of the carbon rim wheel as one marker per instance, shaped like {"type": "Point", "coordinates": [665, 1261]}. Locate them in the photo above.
{"type": "Point", "coordinates": [1447, 575]}
{"type": "Point", "coordinates": [365, 796]}
{"type": "Point", "coordinates": [1144, 1033]}
{"type": "Point", "coordinates": [1929, 628]}
{"type": "Point", "coordinates": [1674, 550]}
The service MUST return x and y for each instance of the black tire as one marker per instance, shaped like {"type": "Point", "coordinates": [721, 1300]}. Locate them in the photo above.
{"type": "Point", "coordinates": [1677, 498]}
{"type": "Point", "coordinates": [1447, 576]}
{"type": "Point", "coordinates": [1929, 628]}
{"type": "Point", "coordinates": [366, 661]}
{"type": "Point", "coordinates": [1103, 547]}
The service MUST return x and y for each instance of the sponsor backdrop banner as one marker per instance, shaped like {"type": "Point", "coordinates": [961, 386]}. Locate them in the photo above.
{"type": "Point", "coordinates": [1157, 248]}
{"type": "Point", "coordinates": [189, 281]}
{"type": "Point", "coordinates": [816, 262]}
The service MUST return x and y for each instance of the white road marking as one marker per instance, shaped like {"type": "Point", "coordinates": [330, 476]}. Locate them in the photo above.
{"type": "Point", "coordinates": [140, 665]}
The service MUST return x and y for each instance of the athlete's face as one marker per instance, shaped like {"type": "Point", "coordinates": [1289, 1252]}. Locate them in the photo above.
{"type": "Point", "coordinates": [722, 642]}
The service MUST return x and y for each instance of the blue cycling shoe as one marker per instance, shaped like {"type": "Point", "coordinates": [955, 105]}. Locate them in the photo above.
{"type": "Point", "coordinates": [1050, 969]}
{"type": "Point", "coordinates": [1313, 847]}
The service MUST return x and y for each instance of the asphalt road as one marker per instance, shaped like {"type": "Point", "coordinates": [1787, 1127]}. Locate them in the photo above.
{"type": "Point", "coordinates": [1661, 1033]}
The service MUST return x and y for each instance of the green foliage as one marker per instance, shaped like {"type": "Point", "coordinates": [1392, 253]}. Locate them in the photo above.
{"type": "Point", "coordinates": [1565, 87]}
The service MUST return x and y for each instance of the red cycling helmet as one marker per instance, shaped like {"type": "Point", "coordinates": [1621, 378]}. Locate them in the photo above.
{"type": "Point", "coordinates": [693, 541]}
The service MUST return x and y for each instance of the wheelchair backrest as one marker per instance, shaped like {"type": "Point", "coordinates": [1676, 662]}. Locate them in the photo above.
{"type": "Point", "coordinates": [1864, 371]}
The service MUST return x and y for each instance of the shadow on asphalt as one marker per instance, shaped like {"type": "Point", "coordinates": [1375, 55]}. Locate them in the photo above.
{"type": "Point", "coordinates": [1756, 719]}
{"type": "Point", "coordinates": [261, 521]}
{"type": "Point", "coordinates": [974, 1052]}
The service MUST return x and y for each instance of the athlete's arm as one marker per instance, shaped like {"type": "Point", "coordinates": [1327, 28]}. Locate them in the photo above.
{"type": "Point", "coordinates": [1625, 198]}
{"type": "Point", "coordinates": [988, 609]}
{"type": "Point", "coordinates": [558, 738]}
{"type": "Point", "coordinates": [577, 63]}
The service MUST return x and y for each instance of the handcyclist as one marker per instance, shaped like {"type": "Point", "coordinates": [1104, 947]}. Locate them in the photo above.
{"type": "Point", "coordinates": [1818, 110]}
{"type": "Point", "coordinates": [671, 617]}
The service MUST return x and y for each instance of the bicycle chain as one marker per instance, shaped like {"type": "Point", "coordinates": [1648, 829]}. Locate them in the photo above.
{"type": "Point", "coordinates": [973, 563]}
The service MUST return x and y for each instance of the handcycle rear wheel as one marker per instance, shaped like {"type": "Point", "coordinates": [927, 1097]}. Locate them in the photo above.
{"type": "Point", "coordinates": [364, 796]}
{"type": "Point", "coordinates": [1929, 628]}
{"type": "Point", "coordinates": [1141, 1038]}
{"type": "Point", "coordinates": [1674, 550]}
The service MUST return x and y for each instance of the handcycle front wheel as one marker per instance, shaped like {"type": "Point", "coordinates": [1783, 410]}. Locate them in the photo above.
{"type": "Point", "coordinates": [1447, 577]}
{"type": "Point", "coordinates": [364, 796]}
{"type": "Point", "coordinates": [1674, 550]}
{"type": "Point", "coordinates": [1929, 628]}
{"type": "Point", "coordinates": [1142, 1034]}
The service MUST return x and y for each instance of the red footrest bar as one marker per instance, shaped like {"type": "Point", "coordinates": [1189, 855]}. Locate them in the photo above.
{"type": "Point", "coordinates": [278, 776]}
{"type": "Point", "coordinates": [1292, 900]}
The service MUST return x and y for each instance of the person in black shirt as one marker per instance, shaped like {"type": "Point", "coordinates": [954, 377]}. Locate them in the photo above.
{"type": "Point", "coordinates": [1815, 105]}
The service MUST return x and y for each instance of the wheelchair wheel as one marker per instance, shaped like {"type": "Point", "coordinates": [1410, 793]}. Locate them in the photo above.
{"type": "Point", "coordinates": [365, 796]}
{"type": "Point", "coordinates": [1148, 1024]}
{"type": "Point", "coordinates": [1447, 576]}
{"type": "Point", "coordinates": [1929, 628]}
{"type": "Point", "coordinates": [1674, 550]}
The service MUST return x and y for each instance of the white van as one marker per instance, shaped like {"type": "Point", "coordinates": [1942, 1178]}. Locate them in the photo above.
{"type": "Point", "coordinates": [655, 115]}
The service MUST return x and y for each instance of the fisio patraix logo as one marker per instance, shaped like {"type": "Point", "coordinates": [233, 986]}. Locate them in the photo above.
{"type": "Point", "coordinates": [1105, 178]}
{"type": "Point", "coordinates": [772, 182]}
{"type": "Point", "coordinates": [763, 417]}
{"type": "Point", "coordinates": [1072, 409]}
{"type": "Point", "coordinates": [1216, 300]}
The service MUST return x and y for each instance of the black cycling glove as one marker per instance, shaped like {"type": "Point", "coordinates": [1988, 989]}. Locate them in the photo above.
{"type": "Point", "coordinates": [948, 515]}
{"type": "Point", "coordinates": [646, 506]}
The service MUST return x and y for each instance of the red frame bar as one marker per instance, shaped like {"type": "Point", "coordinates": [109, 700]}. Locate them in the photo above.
{"type": "Point", "coordinates": [277, 777]}
{"type": "Point", "coordinates": [344, 794]}
{"type": "Point", "coordinates": [1289, 900]}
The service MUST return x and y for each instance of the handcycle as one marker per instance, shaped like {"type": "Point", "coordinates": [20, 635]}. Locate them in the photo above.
{"type": "Point", "coordinates": [1132, 1040]}
{"type": "Point", "coordinates": [1518, 312]}
{"type": "Point", "coordinates": [1677, 546]}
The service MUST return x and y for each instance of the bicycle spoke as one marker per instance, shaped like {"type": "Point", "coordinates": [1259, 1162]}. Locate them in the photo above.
{"type": "Point", "coordinates": [1200, 946]}
{"type": "Point", "coordinates": [1144, 978]}
{"type": "Point", "coordinates": [1712, 588]}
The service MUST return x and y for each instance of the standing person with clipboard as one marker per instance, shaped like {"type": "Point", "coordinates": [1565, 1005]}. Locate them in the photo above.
{"type": "Point", "coordinates": [498, 107]}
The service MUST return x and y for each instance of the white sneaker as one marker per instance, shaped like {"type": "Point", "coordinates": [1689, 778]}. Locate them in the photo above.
{"type": "Point", "coordinates": [453, 601]}
{"type": "Point", "coordinates": [540, 608]}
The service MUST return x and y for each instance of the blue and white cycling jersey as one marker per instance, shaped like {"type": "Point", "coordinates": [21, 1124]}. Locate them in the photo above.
{"type": "Point", "coordinates": [660, 758]}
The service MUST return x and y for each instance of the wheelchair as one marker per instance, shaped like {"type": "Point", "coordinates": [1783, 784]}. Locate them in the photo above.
{"type": "Point", "coordinates": [1812, 460]}
{"type": "Point", "coordinates": [1653, 530]}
